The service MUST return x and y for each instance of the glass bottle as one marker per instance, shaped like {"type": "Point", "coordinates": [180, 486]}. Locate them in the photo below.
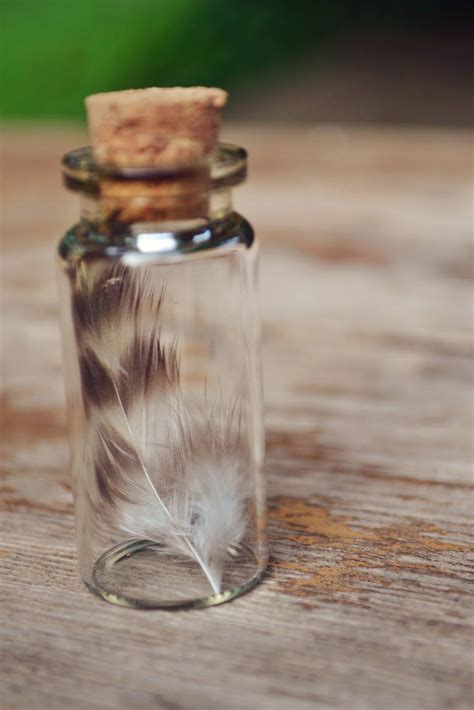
{"type": "Point", "coordinates": [161, 344]}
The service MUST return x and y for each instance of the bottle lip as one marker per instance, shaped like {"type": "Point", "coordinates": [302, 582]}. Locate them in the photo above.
{"type": "Point", "coordinates": [227, 163]}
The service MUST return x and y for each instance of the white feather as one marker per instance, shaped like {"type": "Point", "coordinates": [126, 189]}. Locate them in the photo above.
{"type": "Point", "coordinates": [219, 508]}
{"type": "Point", "coordinates": [189, 497]}
{"type": "Point", "coordinates": [211, 512]}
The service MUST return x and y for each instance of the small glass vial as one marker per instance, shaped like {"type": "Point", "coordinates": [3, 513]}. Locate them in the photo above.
{"type": "Point", "coordinates": [161, 342]}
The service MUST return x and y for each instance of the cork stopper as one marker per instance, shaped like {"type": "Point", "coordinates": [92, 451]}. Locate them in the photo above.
{"type": "Point", "coordinates": [156, 127]}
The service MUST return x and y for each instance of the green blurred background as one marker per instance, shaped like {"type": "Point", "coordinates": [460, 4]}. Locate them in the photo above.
{"type": "Point", "coordinates": [276, 57]}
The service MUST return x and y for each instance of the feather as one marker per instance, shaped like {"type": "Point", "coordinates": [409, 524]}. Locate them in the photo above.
{"type": "Point", "coordinates": [219, 513]}
{"type": "Point", "coordinates": [206, 495]}
{"type": "Point", "coordinates": [158, 473]}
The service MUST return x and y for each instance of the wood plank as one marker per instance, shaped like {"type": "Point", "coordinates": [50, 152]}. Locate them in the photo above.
{"type": "Point", "coordinates": [366, 302]}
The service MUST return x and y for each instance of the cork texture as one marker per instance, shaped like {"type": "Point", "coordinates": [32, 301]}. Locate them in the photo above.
{"type": "Point", "coordinates": [155, 127]}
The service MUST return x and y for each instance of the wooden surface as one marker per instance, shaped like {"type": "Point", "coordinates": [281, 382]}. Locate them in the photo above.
{"type": "Point", "coordinates": [368, 372]}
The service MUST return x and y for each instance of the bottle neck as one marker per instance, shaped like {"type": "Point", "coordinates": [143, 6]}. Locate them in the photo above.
{"type": "Point", "coordinates": [115, 199]}
{"type": "Point", "coordinates": [128, 202]}
{"type": "Point", "coordinates": [170, 234]}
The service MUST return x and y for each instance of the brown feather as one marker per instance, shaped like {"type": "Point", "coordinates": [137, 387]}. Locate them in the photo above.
{"type": "Point", "coordinates": [151, 473]}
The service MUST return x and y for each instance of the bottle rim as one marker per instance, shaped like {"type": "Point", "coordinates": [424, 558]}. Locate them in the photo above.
{"type": "Point", "coordinates": [81, 173]}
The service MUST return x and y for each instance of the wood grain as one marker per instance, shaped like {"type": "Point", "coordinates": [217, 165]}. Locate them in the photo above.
{"type": "Point", "coordinates": [366, 301]}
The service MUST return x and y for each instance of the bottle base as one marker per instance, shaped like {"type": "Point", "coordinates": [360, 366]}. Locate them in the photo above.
{"type": "Point", "coordinates": [142, 574]}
